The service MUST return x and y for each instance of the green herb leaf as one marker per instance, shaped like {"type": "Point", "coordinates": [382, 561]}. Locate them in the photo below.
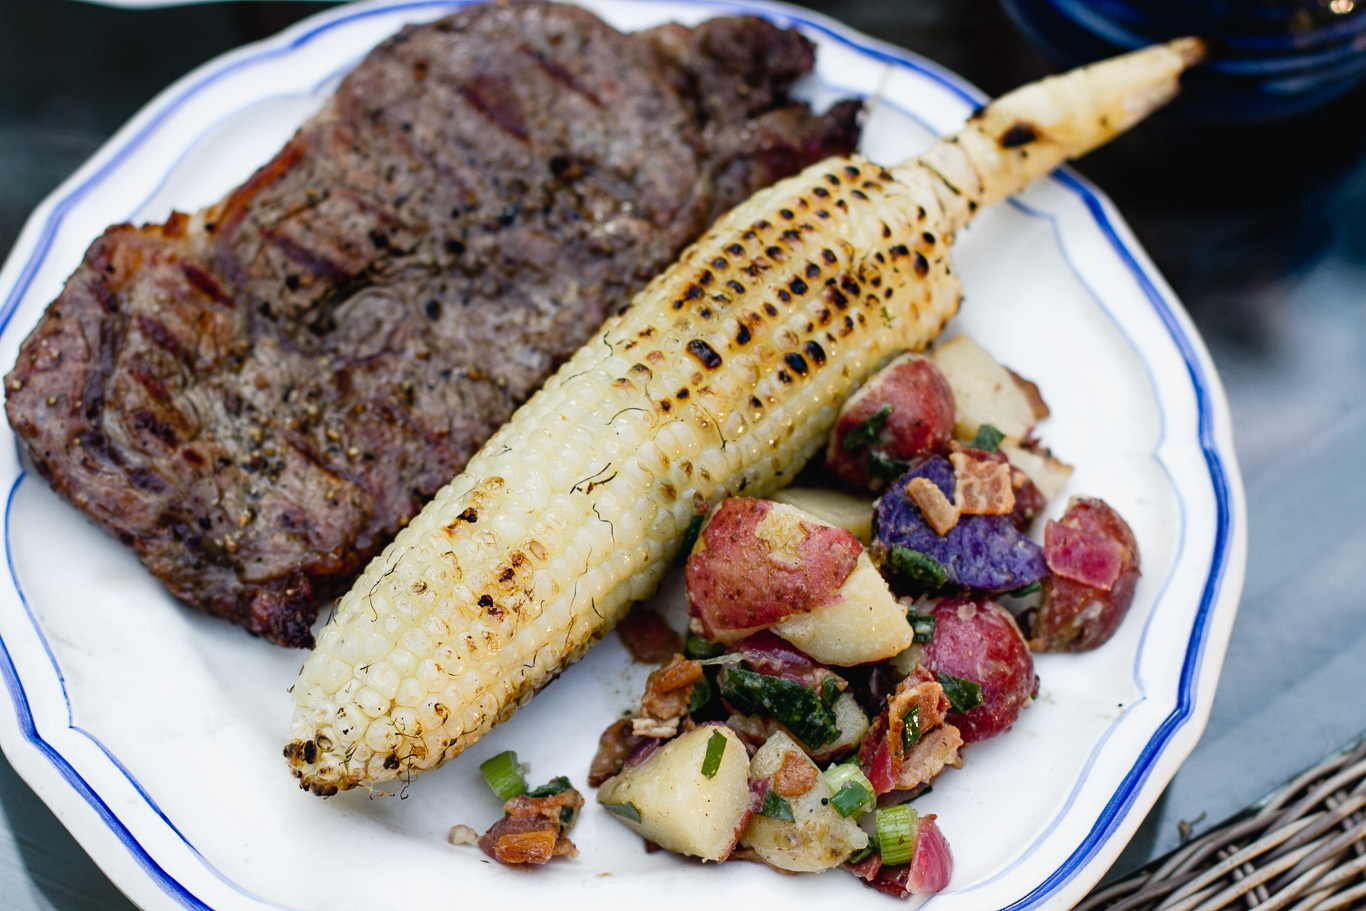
{"type": "Point", "coordinates": [699, 649]}
{"type": "Point", "coordinates": [701, 694]}
{"type": "Point", "coordinates": [775, 807]}
{"type": "Point", "coordinates": [864, 852]}
{"type": "Point", "coordinates": [566, 817]}
{"type": "Point", "coordinates": [916, 566]}
{"type": "Point", "coordinates": [963, 695]}
{"type": "Point", "coordinates": [789, 703]}
{"type": "Point", "coordinates": [867, 432]}
{"type": "Point", "coordinates": [551, 788]}
{"type": "Point", "coordinates": [886, 467]}
{"type": "Point", "coordinates": [1027, 590]}
{"type": "Point", "coordinates": [689, 539]}
{"type": "Point", "coordinates": [910, 731]}
{"type": "Point", "coordinates": [504, 775]}
{"type": "Point", "coordinates": [830, 692]}
{"type": "Point", "coordinates": [988, 438]}
{"type": "Point", "coordinates": [922, 626]}
{"type": "Point", "coordinates": [626, 811]}
{"type": "Point", "coordinates": [716, 748]}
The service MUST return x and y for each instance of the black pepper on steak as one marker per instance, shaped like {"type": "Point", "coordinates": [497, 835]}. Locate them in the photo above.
{"type": "Point", "coordinates": [256, 398]}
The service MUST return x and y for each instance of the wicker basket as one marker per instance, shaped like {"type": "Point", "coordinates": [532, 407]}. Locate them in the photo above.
{"type": "Point", "coordinates": [1301, 848]}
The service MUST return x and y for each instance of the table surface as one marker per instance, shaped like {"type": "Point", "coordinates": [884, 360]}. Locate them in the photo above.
{"type": "Point", "coordinates": [1261, 231]}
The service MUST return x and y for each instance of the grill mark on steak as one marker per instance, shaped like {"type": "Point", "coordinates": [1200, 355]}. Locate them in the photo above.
{"type": "Point", "coordinates": [256, 398]}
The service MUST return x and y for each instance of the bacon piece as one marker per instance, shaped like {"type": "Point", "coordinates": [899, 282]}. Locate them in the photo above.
{"type": "Point", "coordinates": [795, 776]}
{"type": "Point", "coordinates": [939, 513]}
{"type": "Point", "coordinates": [532, 829]}
{"type": "Point", "coordinates": [615, 744]}
{"type": "Point", "coordinates": [981, 486]}
{"type": "Point", "coordinates": [648, 636]}
{"type": "Point", "coordinates": [667, 694]}
{"type": "Point", "coordinates": [882, 756]}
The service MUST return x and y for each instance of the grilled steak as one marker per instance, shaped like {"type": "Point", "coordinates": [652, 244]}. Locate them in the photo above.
{"type": "Point", "coordinates": [255, 398]}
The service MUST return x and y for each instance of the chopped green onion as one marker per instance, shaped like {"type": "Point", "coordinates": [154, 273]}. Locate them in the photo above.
{"type": "Point", "coordinates": [626, 811]}
{"type": "Point", "coordinates": [910, 731]}
{"type": "Point", "coordinates": [853, 792]}
{"type": "Point", "coordinates": [567, 816]}
{"type": "Point", "coordinates": [917, 566]}
{"type": "Point", "coordinates": [922, 626]}
{"type": "Point", "coordinates": [699, 649]}
{"type": "Point", "coordinates": [1027, 590]}
{"type": "Point", "coordinates": [867, 432]}
{"type": "Point", "coordinates": [830, 692]}
{"type": "Point", "coordinates": [503, 775]}
{"type": "Point", "coordinates": [886, 467]}
{"type": "Point", "coordinates": [964, 695]}
{"type": "Point", "coordinates": [716, 748]}
{"type": "Point", "coordinates": [775, 807]}
{"type": "Point", "coordinates": [701, 694]}
{"type": "Point", "coordinates": [789, 703]}
{"type": "Point", "coordinates": [988, 438]}
{"type": "Point", "coordinates": [896, 828]}
{"type": "Point", "coordinates": [689, 539]}
{"type": "Point", "coordinates": [864, 852]}
{"type": "Point", "coordinates": [551, 788]}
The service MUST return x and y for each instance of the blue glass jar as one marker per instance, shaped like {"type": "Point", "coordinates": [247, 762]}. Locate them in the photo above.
{"type": "Point", "coordinates": [1269, 59]}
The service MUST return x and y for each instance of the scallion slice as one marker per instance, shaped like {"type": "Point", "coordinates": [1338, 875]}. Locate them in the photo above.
{"type": "Point", "coordinates": [862, 853]}
{"type": "Point", "coordinates": [503, 775]}
{"type": "Point", "coordinates": [1027, 590]}
{"type": "Point", "coordinates": [853, 792]}
{"type": "Point", "coordinates": [885, 467]}
{"type": "Point", "coordinates": [896, 827]}
{"type": "Point", "coordinates": [716, 748]}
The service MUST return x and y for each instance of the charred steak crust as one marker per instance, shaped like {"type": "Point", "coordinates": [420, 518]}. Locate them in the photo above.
{"type": "Point", "coordinates": [257, 397]}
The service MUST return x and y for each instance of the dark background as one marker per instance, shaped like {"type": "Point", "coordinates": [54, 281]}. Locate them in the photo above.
{"type": "Point", "coordinates": [1261, 231]}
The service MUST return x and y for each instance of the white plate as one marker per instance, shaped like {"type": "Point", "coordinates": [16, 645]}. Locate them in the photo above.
{"type": "Point", "coordinates": [155, 733]}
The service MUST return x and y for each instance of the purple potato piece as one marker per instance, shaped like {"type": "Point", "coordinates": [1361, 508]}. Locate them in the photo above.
{"type": "Point", "coordinates": [985, 553]}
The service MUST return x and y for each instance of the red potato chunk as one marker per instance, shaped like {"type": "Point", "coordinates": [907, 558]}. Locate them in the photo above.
{"type": "Point", "coordinates": [757, 563]}
{"type": "Point", "coordinates": [1094, 561]}
{"type": "Point", "coordinates": [760, 565]}
{"type": "Point", "coordinates": [978, 642]}
{"type": "Point", "coordinates": [904, 411]}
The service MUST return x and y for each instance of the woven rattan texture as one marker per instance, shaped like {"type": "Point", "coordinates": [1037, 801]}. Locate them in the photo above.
{"type": "Point", "coordinates": [1302, 848]}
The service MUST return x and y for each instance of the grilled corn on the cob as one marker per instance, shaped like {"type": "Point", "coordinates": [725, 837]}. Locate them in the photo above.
{"type": "Point", "coordinates": [724, 375]}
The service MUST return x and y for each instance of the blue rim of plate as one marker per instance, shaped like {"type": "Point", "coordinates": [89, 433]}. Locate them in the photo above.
{"type": "Point", "coordinates": [1114, 811]}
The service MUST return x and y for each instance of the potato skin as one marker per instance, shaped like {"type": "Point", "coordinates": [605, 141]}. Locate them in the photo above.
{"type": "Point", "coordinates": [920, 421]}
{"type": "Point", "coordinates": [1073, 616]}
{"type": "Point", "coordinates": [979, 641]}
{"type": "Point", "coordinates": [757, 563]}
